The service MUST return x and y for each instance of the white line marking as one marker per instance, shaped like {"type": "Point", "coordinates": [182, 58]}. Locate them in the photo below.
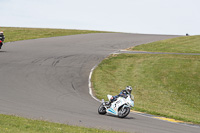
{"type": "Point", "coordinates": [90, 84]}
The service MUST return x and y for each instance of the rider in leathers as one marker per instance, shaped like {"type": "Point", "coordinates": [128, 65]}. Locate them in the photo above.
{"type": "Point", "coordinates": [123, 93]}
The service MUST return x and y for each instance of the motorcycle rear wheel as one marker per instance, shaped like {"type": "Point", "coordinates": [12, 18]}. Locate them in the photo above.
{"type": "Point", "coordinates": [1, 44]}
{"type": "Point", "coordinates": [102, 109]}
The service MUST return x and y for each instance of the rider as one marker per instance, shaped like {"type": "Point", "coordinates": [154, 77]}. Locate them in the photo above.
{"type": "Point", "coordinates": [123, 93]}
{"type": "Point", "coordinates": [2, 37]}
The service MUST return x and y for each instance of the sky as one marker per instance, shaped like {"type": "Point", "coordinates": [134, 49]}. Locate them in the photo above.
{"type": "Point", "coordinates": [175, 17]}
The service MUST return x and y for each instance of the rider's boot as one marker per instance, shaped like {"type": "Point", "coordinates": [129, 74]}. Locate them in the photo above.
{"type": "Point", "coordinates": [109, 103]}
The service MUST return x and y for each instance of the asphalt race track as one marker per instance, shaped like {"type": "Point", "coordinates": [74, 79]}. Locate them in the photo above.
{"type": "Point", "coordinates": [48, 79]}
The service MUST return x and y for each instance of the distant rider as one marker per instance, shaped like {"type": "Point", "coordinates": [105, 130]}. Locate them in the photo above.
{"type": "Point", "coordinates": [123, 93]}
{"type": "Point", "coordinates": [2, 37]}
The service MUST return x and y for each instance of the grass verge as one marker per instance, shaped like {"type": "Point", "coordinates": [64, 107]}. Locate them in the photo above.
{"type": "Point", "coordinates": [167, 85]}
{"type": "Point", "coordinates": [16, 34]}
{"type": "Point", "coordinates": [14, 124]}
{"type": "Point", "coordinates": [186, 44]}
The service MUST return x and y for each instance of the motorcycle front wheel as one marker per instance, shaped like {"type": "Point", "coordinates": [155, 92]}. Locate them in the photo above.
{"type": "Point", "coordinates": [102, 109]}
{"type": "Point", "coordinates": [123, 112]}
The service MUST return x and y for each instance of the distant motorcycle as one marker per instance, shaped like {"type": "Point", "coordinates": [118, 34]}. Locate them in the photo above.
{"type": "Point", "coordinates": [2, 37]}
{"type": "Point", "coordinates": [121, 107]}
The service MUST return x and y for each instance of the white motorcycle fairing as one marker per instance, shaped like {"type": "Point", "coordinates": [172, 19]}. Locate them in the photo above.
{"type": "Point", "coordinates": [120, 107]}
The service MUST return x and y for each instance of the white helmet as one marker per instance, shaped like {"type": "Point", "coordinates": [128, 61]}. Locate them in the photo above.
{"type": "Point", "coordinates": [128, 89]}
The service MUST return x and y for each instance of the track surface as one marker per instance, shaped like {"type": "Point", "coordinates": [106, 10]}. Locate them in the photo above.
{"type": "Point", "coordinates": [48, 79]}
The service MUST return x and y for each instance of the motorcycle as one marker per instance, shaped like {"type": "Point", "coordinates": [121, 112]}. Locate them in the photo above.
{"type": "Point", "coordinates": [121, 107]}
{"type": "Point", "coordinates": [2, 37]}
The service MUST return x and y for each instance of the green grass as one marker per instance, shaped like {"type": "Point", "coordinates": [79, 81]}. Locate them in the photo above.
{"type": "Point", "coordinates": [167, 85]}
{"type": "Point", "coordinates": [186, 44]}
{"type": "Point", "coordinates": [16, 34]}
{"type": "Point", "coordinates": [14, 124]}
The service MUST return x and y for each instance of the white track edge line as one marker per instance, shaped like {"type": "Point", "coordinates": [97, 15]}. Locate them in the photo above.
{"type": "Point", "coordinates": [90, 84]}
{"type": "Point", "coordinates": [89, 80]}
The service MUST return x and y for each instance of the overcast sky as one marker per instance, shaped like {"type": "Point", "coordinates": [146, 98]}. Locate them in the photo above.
{"type": "Point", "coordinates": [132, 16]}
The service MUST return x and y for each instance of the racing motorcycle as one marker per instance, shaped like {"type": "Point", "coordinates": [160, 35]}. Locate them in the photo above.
{"type": "Point", "coordinates": [121, 107]}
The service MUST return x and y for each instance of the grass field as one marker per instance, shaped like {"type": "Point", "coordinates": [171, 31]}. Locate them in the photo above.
{"type": "Point", "coordinates": [167, 85]}
{"type": "Point", "coordinates": [16, 34]}
{"type": "Point", "coordinates": [186, 44]}
{"type": "Point", "coordinates": [14, 124]}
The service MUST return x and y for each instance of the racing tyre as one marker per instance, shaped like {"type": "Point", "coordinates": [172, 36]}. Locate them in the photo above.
{"type": "Point", "coordinates": [123, 113]}
{"type": "Point", "coordinates": [1, 44]}
{"type": "Point", "coordinates": [102, 109]}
